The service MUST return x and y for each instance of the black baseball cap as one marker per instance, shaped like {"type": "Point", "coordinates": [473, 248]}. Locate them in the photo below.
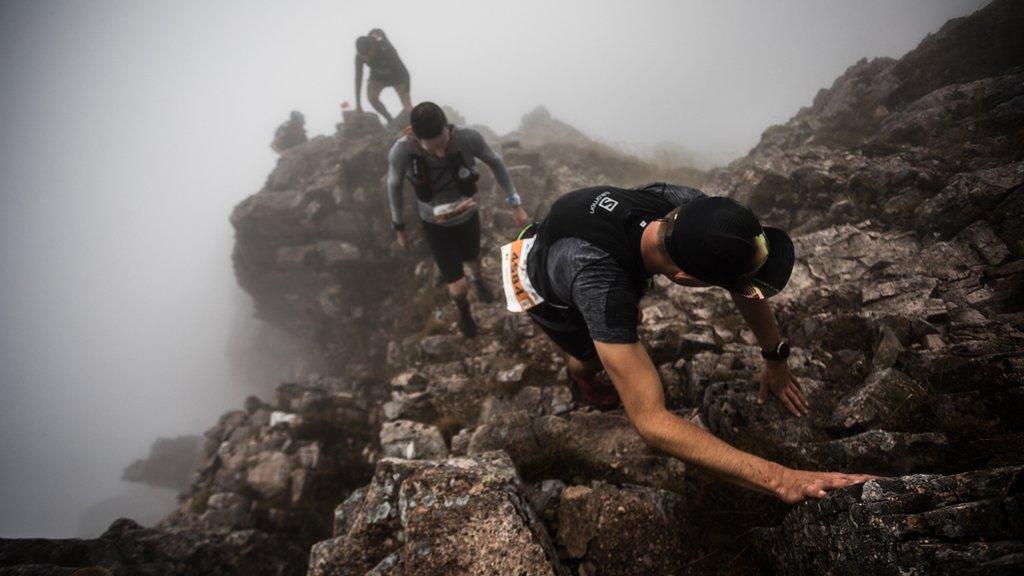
{"type": "Point", "coordinates": [721, 242]}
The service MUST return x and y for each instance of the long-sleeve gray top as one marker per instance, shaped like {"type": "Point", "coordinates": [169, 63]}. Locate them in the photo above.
{"type": "Point", "coordinates": [446, 190]}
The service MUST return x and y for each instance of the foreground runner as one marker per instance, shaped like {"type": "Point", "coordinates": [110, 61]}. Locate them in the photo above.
{"type": "Point", "coordinates": [581, 278]}
{"type": "Point", "coordinates": [439, 160]}
{"type": "Point", "coordinates": [386, 70]}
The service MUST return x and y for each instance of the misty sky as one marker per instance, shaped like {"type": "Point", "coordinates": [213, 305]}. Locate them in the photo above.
{"type": "Point", "coordinates": [130, 130]}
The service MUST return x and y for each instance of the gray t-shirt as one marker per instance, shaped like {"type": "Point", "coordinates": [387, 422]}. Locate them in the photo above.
{"type": "Point", "coordinates": [591, 281]}
{"type": "Point", "coordinates": [446, 189]}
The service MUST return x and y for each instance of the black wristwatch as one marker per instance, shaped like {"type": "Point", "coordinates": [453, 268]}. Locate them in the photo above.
{"type": "Point", "coordinates": [777, 353]}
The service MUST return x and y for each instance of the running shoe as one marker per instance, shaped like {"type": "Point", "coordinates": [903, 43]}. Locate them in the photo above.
{"type": "Point", "coordinates": [598, 392]}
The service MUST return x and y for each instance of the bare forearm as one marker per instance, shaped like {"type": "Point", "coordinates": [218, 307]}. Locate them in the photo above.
{"type": "Point", "coordinates": [693, 445]}
{"type": "Point", "coordinates": [639, 386]}
{"type": "Point", "coordinates": [760, 319]}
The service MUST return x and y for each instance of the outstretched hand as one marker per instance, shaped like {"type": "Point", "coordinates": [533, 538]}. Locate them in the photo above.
{"type": "Point", "coordinates": [402, 238]}
{"type": "Point", "coordinates": [795, 486]}
{"type": "Point", "coordinates": [776, 377]}
{"type": "Point", "coordinates": [521, 216]}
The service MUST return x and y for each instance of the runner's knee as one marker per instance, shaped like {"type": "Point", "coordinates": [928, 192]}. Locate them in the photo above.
{"type": "Point", "coordinates": [458, 289]}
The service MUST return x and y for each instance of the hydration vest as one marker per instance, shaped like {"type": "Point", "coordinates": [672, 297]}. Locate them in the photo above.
{"type": "Point", "coordinates": [461, 172]}
{"type": "Point", "coordinates": [613, 219]}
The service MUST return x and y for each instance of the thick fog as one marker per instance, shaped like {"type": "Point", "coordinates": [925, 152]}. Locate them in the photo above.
{"type": "Point", "coordinates": [130, 130]}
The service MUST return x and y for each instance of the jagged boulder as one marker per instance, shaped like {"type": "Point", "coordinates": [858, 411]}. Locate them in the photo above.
{"type": "Point", "coordinates": [882, 401]}
{"type": "Point", "coordinates": [969, 197]}
{"type": "Point", "coordinates": [598, 523]}
{"type": "Point", "coordinates": [412, 440]}
{"type": "Point", "coordinates": [967, 523]}
{"type": "Point", "coordinates": [456, 516]}
{"type": "Point", "coordinates": [281, 467]}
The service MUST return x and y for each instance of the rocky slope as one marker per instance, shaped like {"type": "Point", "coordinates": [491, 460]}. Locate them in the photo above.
{"type": "Point", "coordinates": [412, 451]}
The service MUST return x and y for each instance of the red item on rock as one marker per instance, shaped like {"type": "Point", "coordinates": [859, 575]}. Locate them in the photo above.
{"type": "Point", "coordinates": [599, 393]}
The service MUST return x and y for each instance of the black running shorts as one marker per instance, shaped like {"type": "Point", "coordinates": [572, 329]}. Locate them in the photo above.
{"type": "Point", "coordinates": [453, 245]}
{"type": "Point", "coordinates": [396, 79]}
{"type": "Point", "coordinates": [566, 328]}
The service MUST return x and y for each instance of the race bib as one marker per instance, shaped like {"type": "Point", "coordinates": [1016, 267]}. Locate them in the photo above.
{"type": "Point", "coordinates": [520, 295]}
{"type": "Point", "coordinates": [445, 212]}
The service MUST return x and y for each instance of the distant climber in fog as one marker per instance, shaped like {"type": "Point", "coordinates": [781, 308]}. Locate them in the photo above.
{"type": "Point", "coordinates": [386, 70]}
{"type": "Point", "coordinates": [291, 133]}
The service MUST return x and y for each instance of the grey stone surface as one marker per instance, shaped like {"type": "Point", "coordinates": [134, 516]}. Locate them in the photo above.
{"type": "Point", "coordinates": [962, 524]}
{"type": "Point", "coordinates": [412, 441]}
{"type": "Point", "coordinates": [462, 515]}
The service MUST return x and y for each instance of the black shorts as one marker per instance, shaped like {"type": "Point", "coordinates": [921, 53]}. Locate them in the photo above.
{"type": "Point", "coordinates": [453, 245]}
{"type": "Point", "coordinates": [396, 79]}
{"type": "Point", "coordinates": [566, 328]}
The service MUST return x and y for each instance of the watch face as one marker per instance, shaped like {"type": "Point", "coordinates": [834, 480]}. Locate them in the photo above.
{"type": "Point", "coordinates": [783, 349]}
